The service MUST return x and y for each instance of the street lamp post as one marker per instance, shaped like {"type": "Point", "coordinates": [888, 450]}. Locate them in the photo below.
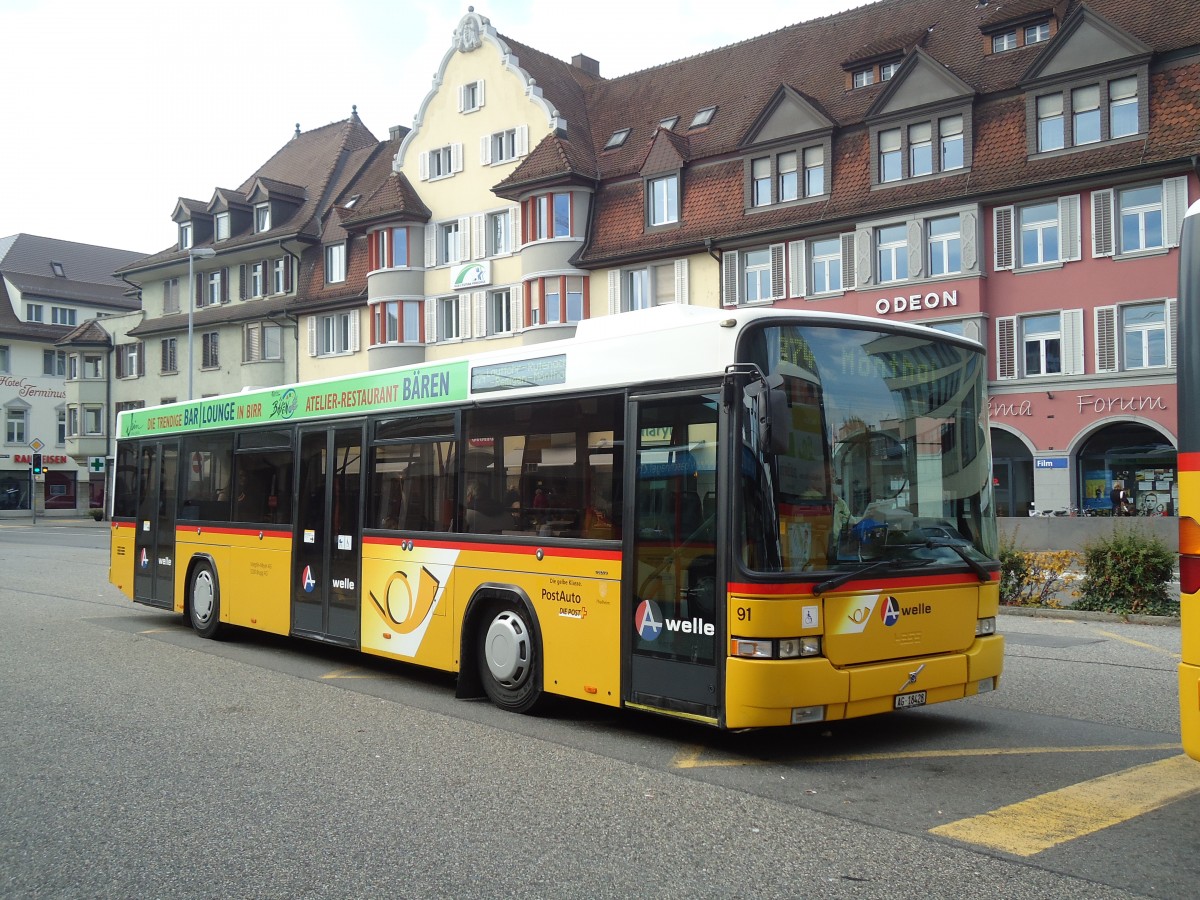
{"type": "Point", "coordinates": [194, 253]}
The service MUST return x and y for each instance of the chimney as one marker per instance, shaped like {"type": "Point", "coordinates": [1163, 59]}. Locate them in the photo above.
{"type": "Point", "coordinates": [396, 132]}
{"type": "Point", "coordinates": [586, 63]}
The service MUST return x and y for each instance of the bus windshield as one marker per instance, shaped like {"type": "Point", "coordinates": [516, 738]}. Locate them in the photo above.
{"type": "Point", "coordinates": [867, 449]}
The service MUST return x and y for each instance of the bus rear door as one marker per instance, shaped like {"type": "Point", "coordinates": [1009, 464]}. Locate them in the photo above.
{"type": "Point", "coordinates": [670, 584]}
{"type": "Point", "coordinates": [154, 542]}
{"type": "Point", "coordinates": [327, 562]}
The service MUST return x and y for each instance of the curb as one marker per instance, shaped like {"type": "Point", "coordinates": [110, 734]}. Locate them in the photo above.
{"type": "Point", "coordinates": [1080, 615]}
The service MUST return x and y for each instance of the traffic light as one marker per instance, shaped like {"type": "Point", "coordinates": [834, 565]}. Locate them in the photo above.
{"type": "Point", "coordinates": [37, 464]}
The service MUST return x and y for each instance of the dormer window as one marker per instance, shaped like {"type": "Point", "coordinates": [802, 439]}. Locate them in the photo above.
{"type": "Point", "coordinates": [1005, 41]}
{"type": "Point", "coordinates": [887, 70]}
{"type": "Point", "coordinates": [185, 236]}
{"type": "Point", "coordinates": [864, 77]}
{"type": "Point", "coordinates": [262, 218]}
{"type": "Point", "coordinates": [1035, 34]}
{"type": "Point", "coordinates": [669, 122]}
{"type": "Point", "coordinates": [703, 117]}
{"type": "Point", "coordinates": [925, 147]}
{"type": "Point", "coordinates": [617, 138]}
{"type": "Point", "coordinates": [663, 196]}
{"type": "Point", "coordinates": [221, 225]}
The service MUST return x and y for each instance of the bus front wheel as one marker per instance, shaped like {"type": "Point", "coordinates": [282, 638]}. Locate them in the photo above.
{"type": "Point", "coordinates": [204, 601]}
{"type": "Point", "coordinates": [509, 662]}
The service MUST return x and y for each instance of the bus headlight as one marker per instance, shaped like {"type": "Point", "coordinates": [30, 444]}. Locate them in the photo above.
{"type": "Point", "coordinates": [752, 648]}
{"type": "Point", "coordinates": [791, 648]}
{"type": "Point", "coordinates": [784, 648]}
{"type": "Point", "coordinates": [985, 627]}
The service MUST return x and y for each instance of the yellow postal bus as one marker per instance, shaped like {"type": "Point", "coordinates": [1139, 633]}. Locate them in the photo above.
{"type": "Point", "coordinates": [742, 518]}
{"type": "Point", "coordinates": [1188, 375]}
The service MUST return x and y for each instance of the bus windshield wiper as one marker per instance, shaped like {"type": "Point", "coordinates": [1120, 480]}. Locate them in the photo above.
{"type": "Point", "coordinates": [976, 566]}
{"type": "Point", "coordinates": [838, 580]}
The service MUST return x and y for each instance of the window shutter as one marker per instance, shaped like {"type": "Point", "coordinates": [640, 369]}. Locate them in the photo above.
{"type": "Point", "coordinates": [515, 227]}
{"type": "Point", "coordinates": [1002, 237]}
{"type": "Point", "coordinates": [796, 271]}
{"type": "Point", "coordinates": [1072, 332]}
{"type": "Point", "coordinates": [431, 320]}
{"type": "Point", "coordinates": [778, 272]}
{"type": "Point", "coordinates": [729, 278]}
{"type": "Point", "coordinates": [462, 97]}
{"type": "Point", "coordinates": [479, 235]}
{"type": "Point", "coordinates": [479, 92]}
{"type": "Point", "coordinates": [862, 259]}
{"type": "Point", "coordinates": [848, 261]}
{"type": "Point", "coordinates": [225, 284]}
{"type": "Point", "coordinates": [253, 348]}
{"type": "Point", "coordinates": [967, 230]}
{"type": "Point", "coordinates": [1006, 348]}
{"type": "Point", "coordinates": [1106, 339]}
{"type": "Point", "coordinates": [431, 259]}
{"type": "Point", "coordinates": [464, 314]}
{"type": "Point", "coordinates": [916, 248]}
{"type": "Point", "coordinates": [312, 335]}
{"type": "Point", "coordinates": [681, 281]}
{"type": "Point", "coordinates": [1172, 332]}
{"type": "Point", "coordinates": [522, 140]}
{"type": "Point", "coordinates": [456, 158]}
{"type": "Point", "coordinates": [518, 307]}
{"type": "Point", "coordinates": [423, 165]}
{"type": "Point", "coordinates": [1070, 246]}
{"type": "Point", "coordinates": [464, 239]}
{"type": "Point", "coordinates": [141, 348]}
{"type": "Point", "coordinates": [485, 150]}
{"type": "Point", "coordinates": [1174, 208]}
{"type": "Point", "coordinates": [480, 313]}
{"type": "Point", "coordinates": [614, 291]}
{"type": "Point", "coordinates": [1102, 223]}
{"type": "Point", "coordinates": [354, 330]}
{"type": "Point", "coordinates": [243, 271]}
{"type": "Point", "coordinates": [198, 300]}
{"type": "Point", "coordinates": [120, 363]}
{"type": "Point", "coordinates": [287, 274]}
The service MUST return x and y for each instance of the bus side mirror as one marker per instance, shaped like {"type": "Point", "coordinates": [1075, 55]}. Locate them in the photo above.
{"type": "Point", "coordinates": [770, 404]}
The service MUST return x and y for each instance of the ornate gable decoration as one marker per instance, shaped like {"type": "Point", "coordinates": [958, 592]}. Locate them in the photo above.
{"type": "Point", "coordinates": [788, 114]}
{"type": "Point", "coordinates": [1086, 41]}
{"type": "Point", "coordinates": [467, 36]}
{"type": "Point", "coordinates": [921, 81]}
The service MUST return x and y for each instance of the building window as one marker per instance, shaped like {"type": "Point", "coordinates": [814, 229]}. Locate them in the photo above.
{"type": "Point", "coordinates": [447, 318]}
{"type": "Point", "coordinates": [1042, 342]}
{"type": "Point", "coordinates": [169, 361]}
{"type": "Point", "coordinates": [210, 346]}
{"type": "Point", "coordinates": [221, 225]}
{"type": "Point", "coordinates": [1141, 212]}
{"type": "Point", "coordinates": [504, 146]}
{"type": "Point", "coordinates": [62, 315]}
{"type": "Point", "coordinates": [499, 312]}
{"type": "Point", "coordinates": [441, 162]}
{"type": "Point", "coordinates": [1085, 114]}
{"type": "Point", "coordinates": [787, 184]}
{"type": "Point", "coordinates": [1039, 234]}
{"type": "Point", "coordinates": [760, 181]}
{"type": "Point", "coordinates": [616, 139]}
{"type": "Point", "coordinates": [1123, 107]}
{"type": "Point", "coordinates": [129, 360]}
{"type": "Point", "coordinates": [5, 360]}
{"type": "Point", "coordinates": [396, 322]}
{"type": "Point", "coordinates": [93, 420]}
{"type": "Point", "coordinates": [171, 295]}
{"type": "Point", "coordinates": [945, 246]}
{"type": "Point", "coordinates": [281, 275]}
{"type": "Point", "coordinates": [335, 263]}
{"type": "Point", "coordinates": [54, 362]}
{"type": "Point", "coordinates": [1035, 34]}
{"type": "Point", "coordinates": [1049, 122]}
{"type": "Point", "coordinates": [258, 279]}
{"type": "Point", "coordinates": [15, 425]}
{"type": "Point", "coordinates": [825, 266]}
{"type": "Point", "coordinates": [950, 131]}
{"type": "Point", "coordinates": [548, 216]}
{"type": "Point", "coordinates": [890, 157]}
{"type": "Point", "coordinates": [388, 248]}
{"type": "Point", "coordinates": [756, 275]}
{"type": "Point", "coordinates": [35, 312]}
{"type": "Point", "coordinates": [73, 421]}
{"type": "Point", "coordinates": [93, 366]}
{"type": "Point", "coordinates": [499, 233]}
{"type": "Point", "coordinates": [864, 77]}
{"type": "Point", "coordinates": [261, 341]}
{"type": "Point", "coordinates": [448, 243]}
{"type": "Point", "coordinates": [262, 218]}
{"type": "Point", "coordinates": [664, 200]}
{"type": "Point", "coordinates": [1002, 42]}
{"type": "Point", "coordinates": [334, 334]}
{"type": "Point", "coordinates": [703, 117]}
{"type": "Point", "coordinates": [814, 171]}
{"type": "Point", "coordinates": [185, 236]}
{"type": "Point", "coordinates": [214, 292]}
{"type": "Point", "coordinates": [892, 253]}
{"type": "Point", "coordinates": [60, 425]}
{"type": "Point", "coordinates": [652, 286]}
{"type": "Point", "coordinates": [1144, 335]}
{"type": "Point", "coordinates": [887, 70]}
{"type": "Point", "coordinates": [920, 149]}
{"type": "Point", "coordinates": [470, 96]}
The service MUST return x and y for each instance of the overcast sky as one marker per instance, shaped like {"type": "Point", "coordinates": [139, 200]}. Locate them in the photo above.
{"type": "Point", "coordinates": [110, 110]}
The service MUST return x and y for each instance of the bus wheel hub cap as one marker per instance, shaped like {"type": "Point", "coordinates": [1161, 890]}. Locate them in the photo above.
{"type": "Point", "coordinates": [506, 649]}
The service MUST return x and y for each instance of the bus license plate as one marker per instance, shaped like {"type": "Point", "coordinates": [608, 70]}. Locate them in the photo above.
{"type": "Point", "coordinates": [910, 701]}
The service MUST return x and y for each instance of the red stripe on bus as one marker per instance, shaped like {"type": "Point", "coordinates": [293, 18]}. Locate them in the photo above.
{"type": "Point", "coordinates": [522, 549]}
{"type": "Point", "coordinates": [896, 581]}
{"type": "Point", "coordinates": [1189, 462]}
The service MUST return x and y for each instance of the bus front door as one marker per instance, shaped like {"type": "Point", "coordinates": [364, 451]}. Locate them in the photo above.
{"type": "Point", "coordinates": [327, 562]}
{"type": "Point", "coordinates": [670, 586]}
{"type": "Point", "coordinates": [154, 543]}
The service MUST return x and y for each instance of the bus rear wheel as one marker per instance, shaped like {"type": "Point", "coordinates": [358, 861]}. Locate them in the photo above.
{"type": "Point", "coordinates": [509, 662]}
{"type": "Point", "coordinates": [204, 601]}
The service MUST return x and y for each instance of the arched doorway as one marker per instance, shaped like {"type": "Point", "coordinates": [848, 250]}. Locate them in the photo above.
{"type": "Point", "coordinates": [1012, 474]}
{"type": "Point", "coordinates": [1136, 457]}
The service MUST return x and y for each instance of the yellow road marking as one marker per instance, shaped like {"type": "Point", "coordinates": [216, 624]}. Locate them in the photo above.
{"type": "Point", "coordinates": [690, 759]}
{"type": "Point", "coordinates": [1047, 820]}
{"type": "Point", "coordinates": [348, 673]}
{"type": "Point", "coordinates": [156, 630]}
{"type": "Point", "coordinates": [1117, 637]}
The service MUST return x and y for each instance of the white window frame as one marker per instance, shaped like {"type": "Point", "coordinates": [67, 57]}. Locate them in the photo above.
{"type": "Point", "coordinates": [35, 312]}
{"type": "Point", "coordinates": [1050, 116]}
{"type": "Point", "coordinates": [1035, 34]}
{"type": "Point", "coordinates": [1041, 228]}
{"type": "Point", "coordinates": [1013, 339]}
{"type": "Point", "coordinates": [449, 322]}
{"type": "Point", "coordinates": [1085, 115]}
{"type": "Point", "coordinates": [663, 198]}
{"type": "Point", "coordinates": [93, 420]}
{"type": "Point", "coordinates": [1140, 214]}
{"type": "Point", "coordinates": [16, 424]}
{"type": "Point", "coordinates": [210, 350]}
{"type": "Point", "coordinates": [185, 235]}
{"type": "Point", "coordinates": [825, 265]}
{"type": "Point", "coordinates": [62, 315]}
{"type": "Point", "coordinates": [261, 342]}
{"type": "Point", "coordinates": [335, 263]}
{"type": "Point", "coordinates": [940, 247]}
{"type": "Point", "coordinates": [171, 295]}
{"type": "Point", "coordinates": [498, 317]}
{"type": "Point", "coordinates": [221, 226]}
{"type": "Point", "coordinates": [1004, 42]}
{"type": "Point", "coordinates": [864, 78]}
{"type": "Point", "coordinates": [891, 253]}
{"type": "Point", "coordinates": [471, 96]}
{"type": "Point", "coordinates": [168, 356]}
{"type": "Point", "coordinates": [262, 217]}
{"type": "Point", "coordinates": [1112, 336]}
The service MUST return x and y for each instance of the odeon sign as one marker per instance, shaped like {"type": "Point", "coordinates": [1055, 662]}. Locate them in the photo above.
{"type": "Point", "coordinates": [916, 302]}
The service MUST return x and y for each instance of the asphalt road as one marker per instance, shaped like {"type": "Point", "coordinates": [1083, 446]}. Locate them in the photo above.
{"type": "Point", "coordinates": [139, 760]}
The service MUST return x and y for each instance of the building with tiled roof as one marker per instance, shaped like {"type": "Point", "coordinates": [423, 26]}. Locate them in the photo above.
{"type": "Point", "coordinates": [52, 388]}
